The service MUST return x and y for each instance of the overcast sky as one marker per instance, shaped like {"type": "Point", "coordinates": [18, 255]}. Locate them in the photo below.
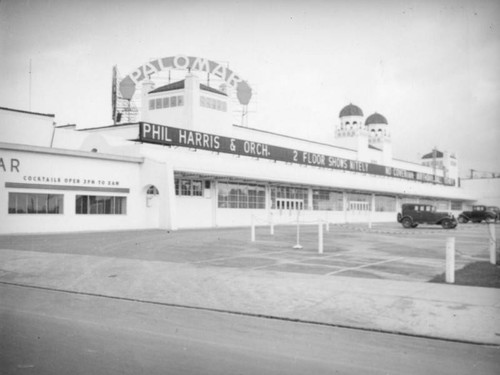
{"type": "Point", "coordinates": [432, 68]}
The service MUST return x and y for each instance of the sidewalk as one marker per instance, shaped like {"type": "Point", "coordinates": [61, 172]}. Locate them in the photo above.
{"type": "Point", "coordinates": [424, 309]}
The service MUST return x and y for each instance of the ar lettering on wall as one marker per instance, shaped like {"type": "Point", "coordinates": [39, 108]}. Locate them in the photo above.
{"type": "Point", "coordinates": [9, 165]}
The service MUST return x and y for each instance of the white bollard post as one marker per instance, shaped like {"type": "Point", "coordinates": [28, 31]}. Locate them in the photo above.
{"type": "Point", "coordinates": [493, 243]}
{"type": "Point", "coordinates": [450, 260]}
{"type": "Point", "coordinates": [298, 245]}
{"type": "Point", "coordinates": [370, 219]}
{"type": "Point", "coordinates": [320, 237]}
{"type": "Point", "coordinates": [271, 228]}
{"type": "Point", "coordinates": [253, 229]}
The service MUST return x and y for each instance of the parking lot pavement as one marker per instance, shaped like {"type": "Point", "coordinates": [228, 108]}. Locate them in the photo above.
{"type": "Point", "coordinates": [370, 279]}
{"type": "Point", "coordinates": [385, 251]}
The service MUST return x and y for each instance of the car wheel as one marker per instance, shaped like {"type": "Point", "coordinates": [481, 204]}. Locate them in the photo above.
{"type": "Point", "coordinates": [414, 225]}
{"type": "Point", "coordinates": [462, 219]}
{"type": "Point", "coordinates": [447, 224]}
{"type": "Point", "coordinates": [406, 222]}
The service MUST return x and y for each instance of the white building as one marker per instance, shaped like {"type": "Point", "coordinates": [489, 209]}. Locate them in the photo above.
{"type": "Point", "coordinates": [185, 165]}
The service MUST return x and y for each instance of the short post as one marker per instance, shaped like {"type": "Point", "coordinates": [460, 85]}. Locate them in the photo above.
{"type": "Point", "coordinates": [271, 226]}
{"type": "Point", "coordinates": [298, 245]}
{"type": "Point", "coordinates": [320, 238]}
{"type": "Point", "coordinates": [370, 219]}
{"type": "Point", "coordinates": [253, 229]}
{"type": "Point", "coordinates": [450, 260]}
{"type": "Point", "coordinates": [493, 243]}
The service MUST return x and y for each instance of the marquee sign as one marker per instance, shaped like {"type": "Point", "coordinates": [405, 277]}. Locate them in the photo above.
{"type": "Point", "coordinates": [163, 135]}
{"type": "Point", "coordinates": [127, 84]}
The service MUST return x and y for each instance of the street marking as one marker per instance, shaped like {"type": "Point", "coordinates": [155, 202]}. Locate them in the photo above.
{"type": "Point", "coordinates": [365, 266]}
{"type": "Point", "coordinates": [239, 255]}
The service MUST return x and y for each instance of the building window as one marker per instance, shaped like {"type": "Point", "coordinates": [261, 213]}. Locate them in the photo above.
{"type": "Point", "coordinates": [233, 195]}
{"type": "Point", "coordinates": [385, 203]}
{"type": "Point", "coordinates": [328, 200]}
{"type": "Point", "coordinates": [152, 190]}
{"type": "Point", "coordinates": [427, 201]}
{"type": "Point", "coordinates": [185, 187]}
{"type": "Point", "coordinates": [456, 206]}
{"type": "Point", "coordinates": [212, 103]}
{"type": "Point", "coordinates": [287, 192]}
{"type": "Point", "coordinates": [197, 188]}
{"type": "Point", "coordinates": [408, 200]}
{"type": "Point", "coordinates": [28, 203]}
{"type": "Point", "coordinates": [188, 187]}
{"type": "Point", "coordinates": [442, 205]}
{"type": "Point", "coordinates": [166, 102]}
{"type": "Point", "coordinates": [359, 202]}
{"type": "Point", "coordinates": [101, 205]}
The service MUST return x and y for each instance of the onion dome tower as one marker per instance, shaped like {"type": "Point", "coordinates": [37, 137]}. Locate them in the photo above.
{"type": "Point", "coordinates": [378, 128]}
{"type": "Point", "coordinates": [351, 121]}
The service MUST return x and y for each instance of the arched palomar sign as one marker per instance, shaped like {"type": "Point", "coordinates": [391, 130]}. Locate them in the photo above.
{"type": "Point", "coordinates": [127, 84]}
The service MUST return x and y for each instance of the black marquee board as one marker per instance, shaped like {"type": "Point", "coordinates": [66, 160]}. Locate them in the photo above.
{"type": "Point", "coordinates": [169, 136]}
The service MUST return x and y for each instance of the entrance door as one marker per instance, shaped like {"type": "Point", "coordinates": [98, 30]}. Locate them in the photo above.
{"type": "Point", "coordinates": [358, 211]}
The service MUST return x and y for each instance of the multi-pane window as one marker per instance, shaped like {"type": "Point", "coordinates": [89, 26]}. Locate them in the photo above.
{"type": "Point", "coordinates": [166, 102]}
{"type": "Point", "coordinates": [456, 205]}
{"type": "Point", "coordinates": [359, 202]}
{"type": "Point", "coordinates": [385, 203]}
{"type": "Point", "coordinates": [101, 205]}
{"type": "Point", "coordinates": [426, 201]}
{"type": "Point", "coordinates": [188, 187]}
{"type": "Point", "coordinates": [233, 195]}
{"type": "Point", "coordinates": [327, 200]}
{"type": "Point", "coordinates": [212, 103]}
{"type": "Point", "coordinates": [152, 190]}
{"type": "Point", "coordinates": [197, 188]}
{"type": "Point", "coordinates": [442, 205]}
{"type": "Point", "coordinates": [279, 193]}
{"type": "Point", "coordinates": [29, 203]}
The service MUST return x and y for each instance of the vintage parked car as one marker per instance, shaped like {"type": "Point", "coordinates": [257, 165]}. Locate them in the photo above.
{"type": "Point", "coordinates": [478, 214]}
{"type": "Point", "coordinates": [413, 214]}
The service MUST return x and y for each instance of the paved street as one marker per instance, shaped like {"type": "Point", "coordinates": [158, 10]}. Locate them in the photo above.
{"type": "Point", "coordinates": [213, 302]}
{"type": "Point", "coordinates": [47, 332]}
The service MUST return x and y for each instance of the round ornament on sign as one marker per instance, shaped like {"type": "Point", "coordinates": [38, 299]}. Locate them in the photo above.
{"type": "Point", "coordinates": [244, 93]}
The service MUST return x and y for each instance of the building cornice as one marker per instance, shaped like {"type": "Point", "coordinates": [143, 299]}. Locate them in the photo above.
{"type": "Point", "coordinates": [70, 153]}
